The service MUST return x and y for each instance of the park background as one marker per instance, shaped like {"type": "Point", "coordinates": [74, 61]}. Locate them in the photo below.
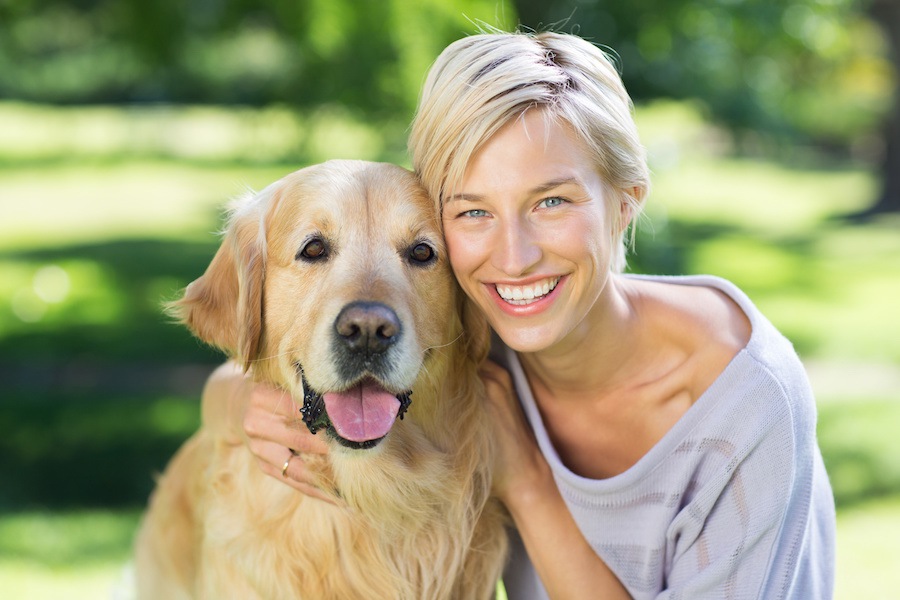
{"type": "Point", "coordinates": [125, 126]}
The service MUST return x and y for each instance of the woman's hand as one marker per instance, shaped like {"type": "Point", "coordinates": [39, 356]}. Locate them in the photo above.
{"type": "Point", "coordinates": [268, 421]}
{"type": "Point", "coordinates": [518, 462]}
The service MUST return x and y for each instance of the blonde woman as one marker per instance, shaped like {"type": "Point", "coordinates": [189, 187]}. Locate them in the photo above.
{"type": "Point", "coordinates": [657, 434]}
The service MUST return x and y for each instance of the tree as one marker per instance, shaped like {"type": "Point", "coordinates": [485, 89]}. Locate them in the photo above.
{"type": "Point", "coordinates": [796, 71]}
{"type": "Point", "coordinates": [368, 56]}
{"type": "Point", "coordinates": [887, 14]}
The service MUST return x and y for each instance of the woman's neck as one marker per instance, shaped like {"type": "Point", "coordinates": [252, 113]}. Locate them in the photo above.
{"type": "Point", "coordinates": [597, 355]}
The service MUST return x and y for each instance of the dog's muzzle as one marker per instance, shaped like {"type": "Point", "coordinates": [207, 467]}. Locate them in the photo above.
{"type": "Point", "coordinates": [315, 413]}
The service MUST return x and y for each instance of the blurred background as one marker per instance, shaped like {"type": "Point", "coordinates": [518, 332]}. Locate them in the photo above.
{"type": "Point", "coordinates": [773, 130]}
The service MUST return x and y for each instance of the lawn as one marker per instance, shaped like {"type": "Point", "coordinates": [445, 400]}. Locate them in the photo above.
{"type": "Point", "coordinates": [109, 211]}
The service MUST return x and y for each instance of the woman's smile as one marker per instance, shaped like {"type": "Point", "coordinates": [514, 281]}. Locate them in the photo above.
{"type": "Point", "coordinates": [526, 299]}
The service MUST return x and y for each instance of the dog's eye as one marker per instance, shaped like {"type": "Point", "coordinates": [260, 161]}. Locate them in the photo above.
{"type": "Point", "coordinates": [422, 253]}
{"type": "Point", "coordinates": [314, 249]}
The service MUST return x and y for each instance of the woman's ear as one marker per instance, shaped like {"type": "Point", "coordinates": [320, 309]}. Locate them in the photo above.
{"type": "Point", "coordinates": [628, 203]}
{"type": "Point", "coordinates": [224, 306]}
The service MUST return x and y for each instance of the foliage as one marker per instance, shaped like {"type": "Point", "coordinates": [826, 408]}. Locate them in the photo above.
{"type": "Point", "coordinates": [785, 67]}
{"type": "Point", "coordinates": [366, 56]}
{"type": "Point", "coordinates": [781, 66]}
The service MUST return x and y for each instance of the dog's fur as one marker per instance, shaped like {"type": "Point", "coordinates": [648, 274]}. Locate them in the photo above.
{"type": "Point", "coordinates": [413, 517]}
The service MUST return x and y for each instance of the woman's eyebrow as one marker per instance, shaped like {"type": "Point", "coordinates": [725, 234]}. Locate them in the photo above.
{"type": "Point", "coordinates": [461, 197]}
{"type": "Point", "coordinates": [538, 189]}
{"type": "Point", "coordinates": [553, 184]}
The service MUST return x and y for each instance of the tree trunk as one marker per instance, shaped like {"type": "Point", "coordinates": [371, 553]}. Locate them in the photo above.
{"type": "Point", "coordinates": [887, 14]}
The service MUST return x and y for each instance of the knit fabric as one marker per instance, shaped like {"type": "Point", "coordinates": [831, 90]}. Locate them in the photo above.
{"type": "Point", "coordinates": [732, 503]}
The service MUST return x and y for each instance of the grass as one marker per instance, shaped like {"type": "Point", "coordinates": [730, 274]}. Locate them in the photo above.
{"type": "Point", "coordinates": [82, 555]}
{"type": "Point", "coordinates": [868, 547]}
{"type": "Point", "coordinates": [73, 555]}
{"type": "Point", "coordinates": [108, 211]}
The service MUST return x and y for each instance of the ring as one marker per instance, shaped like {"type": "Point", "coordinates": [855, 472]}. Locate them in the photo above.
{"type": "Point", "coordinates": [286, 463]}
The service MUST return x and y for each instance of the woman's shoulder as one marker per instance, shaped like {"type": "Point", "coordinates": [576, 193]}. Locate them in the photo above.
{"type": "Point", "coordinates": [744, 348]}
{"type": "Point", "coordinates": [721, 307]}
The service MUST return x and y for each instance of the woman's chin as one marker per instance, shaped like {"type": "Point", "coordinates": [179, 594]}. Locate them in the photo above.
{"type": "Point", "coordinates": [525, 339]}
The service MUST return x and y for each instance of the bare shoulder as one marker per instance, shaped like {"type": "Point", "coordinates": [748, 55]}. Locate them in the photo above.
{"type": "Point", "coordinates": [707, 327]}
{"type": "Point", "coordinates": [698, 315]}
{"type": "Point", "coordinates": [723, 321]}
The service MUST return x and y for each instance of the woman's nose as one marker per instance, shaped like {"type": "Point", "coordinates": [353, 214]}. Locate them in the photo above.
{"type": "Point", "coordinates": [516, 250]}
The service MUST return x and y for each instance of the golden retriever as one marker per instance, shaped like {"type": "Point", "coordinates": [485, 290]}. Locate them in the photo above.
{"type": "Point", "coordinates": [333, 284]}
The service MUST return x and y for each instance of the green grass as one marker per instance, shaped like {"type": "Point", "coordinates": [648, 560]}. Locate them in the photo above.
{"type": "Point", "coordinates": [108, 211]}
{"type": "Point", "coordinates": [82, 555]}
{"type": "Point", "coordinates": [71, 555]}
{"type": "Point", "coordinates": [868, 547]}
{"type": "Point", "coordinates": [861, 448]}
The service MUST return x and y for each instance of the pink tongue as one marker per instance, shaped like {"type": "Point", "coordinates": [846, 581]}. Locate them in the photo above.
{"type": "Point", "coordinates": [365, 412]}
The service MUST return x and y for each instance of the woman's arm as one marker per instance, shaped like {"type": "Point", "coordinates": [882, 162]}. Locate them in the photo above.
{"type": "Point", "coordinates": [565, 562]}
{"type": "Point", "coordinates": [267, 420]}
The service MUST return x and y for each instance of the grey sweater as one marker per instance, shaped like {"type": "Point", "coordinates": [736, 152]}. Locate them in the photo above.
{"type": "Point", "coordinates": [733, 502]}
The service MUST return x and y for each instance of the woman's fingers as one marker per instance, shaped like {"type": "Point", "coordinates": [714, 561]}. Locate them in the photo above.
{"type": "Point", "coordinates": [272, 415]}
{"type": "Point", "coordinates": [280, 440]}
{"type": "Point", "coordinates": [277, 461]}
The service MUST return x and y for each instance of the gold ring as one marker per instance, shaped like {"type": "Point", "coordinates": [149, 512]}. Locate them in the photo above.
{"type": "Point", "coordinates": [286, 463]}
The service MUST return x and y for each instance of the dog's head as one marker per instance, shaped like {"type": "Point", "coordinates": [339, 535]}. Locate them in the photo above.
{"type": "Point", "coordinates": [333, 283]}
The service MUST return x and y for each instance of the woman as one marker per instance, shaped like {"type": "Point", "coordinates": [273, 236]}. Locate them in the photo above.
{"type": "Point", "coordinates": [657, 434]}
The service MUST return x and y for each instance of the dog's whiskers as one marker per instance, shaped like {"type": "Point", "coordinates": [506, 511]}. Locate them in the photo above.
{"type": "Point", "coordinates": [271, 356]}
{"type": "Point", "coordinates": [451, 342]}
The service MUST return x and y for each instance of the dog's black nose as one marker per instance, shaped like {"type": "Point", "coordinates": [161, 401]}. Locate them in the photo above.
{"type": "Point", "coordinates": [369, 327]}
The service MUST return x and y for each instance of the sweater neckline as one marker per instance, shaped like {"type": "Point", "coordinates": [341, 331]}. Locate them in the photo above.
{"type": "Point", "coordinates": [707, 401]}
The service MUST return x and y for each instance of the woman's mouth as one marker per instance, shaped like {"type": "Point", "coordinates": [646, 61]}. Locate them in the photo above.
{"type": "Point", "coordinates": [523, 295]}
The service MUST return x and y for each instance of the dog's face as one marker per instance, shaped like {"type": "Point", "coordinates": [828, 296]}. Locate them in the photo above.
{"type": "Point", "coordinates": [334, 283]}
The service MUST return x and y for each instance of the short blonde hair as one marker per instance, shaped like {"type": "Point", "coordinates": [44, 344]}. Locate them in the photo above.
{"type": "Point", "coordinates": [479, 83]}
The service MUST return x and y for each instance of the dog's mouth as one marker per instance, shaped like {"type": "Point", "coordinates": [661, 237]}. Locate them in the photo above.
{"type": "Point", "coordinates": [358, 417]}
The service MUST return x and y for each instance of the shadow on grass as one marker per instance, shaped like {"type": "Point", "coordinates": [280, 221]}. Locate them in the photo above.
{"type": "Point", "coordinates": [91, 411]}
{"type": "Point", "coordinates": [64, 450]}
{"type": "Point", "coordinates": [140, 274]}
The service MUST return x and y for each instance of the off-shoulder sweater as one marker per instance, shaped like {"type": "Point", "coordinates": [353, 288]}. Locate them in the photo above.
{"type": "Point", "coordinates": [733, 502]}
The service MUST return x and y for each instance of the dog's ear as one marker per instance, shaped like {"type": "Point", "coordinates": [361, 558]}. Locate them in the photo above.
{"type": "Point", "coordinates": [476, 331]}
{"type": "Point", "coordinates": [224, 306]}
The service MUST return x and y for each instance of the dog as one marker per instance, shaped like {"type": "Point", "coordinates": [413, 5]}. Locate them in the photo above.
{"type": "Point", "coordinates": [333, 284]}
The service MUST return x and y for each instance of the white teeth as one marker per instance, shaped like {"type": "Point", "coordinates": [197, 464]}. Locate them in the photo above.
{"type": "Point", "coordinates": [526, 294]}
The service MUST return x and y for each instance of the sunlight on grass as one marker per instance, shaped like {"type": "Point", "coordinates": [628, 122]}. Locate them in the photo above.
{"type": "Point", "coordinates": [64, 555]}
{"type": "Point", "coordinates": [67, 539]}
{"type": "Point", "coordinates": [76, 203]}
{"type": "Point", "coordinates": [81, 555]}
{"type": "Point", "coordinates": [34, 581]}
{"type": "Point", "coordinates": [868, 547]}
{"type": "Point", "coordinates": [761, 265]}
{"type": "Point", "coordinates": [759, 196]}
{"type": "Point", "coordinates": [275, 134]}
{"type": "Point", "coordinates": [860, 446]}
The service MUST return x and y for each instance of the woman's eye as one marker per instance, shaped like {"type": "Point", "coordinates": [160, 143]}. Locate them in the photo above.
{"type": "Point", "coordinates": [422, 253]}
{"type": "Point", "coordinates": [314, 249]}
{"type": "Point", "coordinates": [550, 202]}
{"type": "Point", "coordinates": [475, 213]}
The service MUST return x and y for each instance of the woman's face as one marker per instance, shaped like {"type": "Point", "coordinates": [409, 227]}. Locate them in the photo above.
{"type": "Point", "coordinates": [528, 233]}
